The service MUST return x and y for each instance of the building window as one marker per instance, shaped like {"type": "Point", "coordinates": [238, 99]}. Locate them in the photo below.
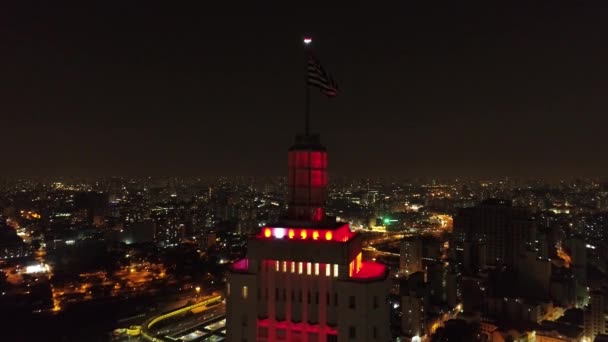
{"type": "Point", "coordinates": [332, 338]}
{"type": "Point", "coordinates": [276, 293]}
{"type": "Point", "coordinates": [375, 332]}
{"type": "Point", "coordinates": [336, 298]}
{"type": "Point", "coordinates": [316, 268]}
{"type": "Point", "coordinates": [293, 267]}
{"type": "Point", "coordinates": [245, 292]}
{"type": "Point", "coordinates": [352, 332]}
{"type": "Point", "coordinates": [228, 289]}
{"type": "Point", "coordinates": [327, 297]}
{"type": "Point", "coordinates": [300, 267]}
{"type": "Point", "coordinates": [375, 304]}
{"type": "Point", "coordinates": [317, 298]}
{"type": "Point", "coordinates": [276, 265]}
{"type": "Point", "coordinates": [284, 295]}
{"type": "Point", "coordinates": [300, 296]}
{"type": "Point", "coordinates": [284, 266]}
{"type": "Point", "coordinates": [308, 297]}
{"type": "Point", "coordinates": [336, 270]}
{"type": "Point", "coordinates": [351, 302]}
{"type": "Point", "coordinates": [293, 296]}
{"type": "Point", "coordinates": [281, 334]}
{"type": "Point", "coordinates": [327, 270]}
{"type": "Point", "coordinates": [308, 268]}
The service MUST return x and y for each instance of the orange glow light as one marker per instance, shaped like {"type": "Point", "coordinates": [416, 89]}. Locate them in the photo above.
{"type": "Point", "coordinates": [315, 235]}
{"type": "Point", "coordinates": [267, 232]}
{"type": "Point", "coordinates": [291, 233]}
{"type": "Point", "coordinates": [328, 236]}
{"type": "Point", "coordinates": [303, 235]}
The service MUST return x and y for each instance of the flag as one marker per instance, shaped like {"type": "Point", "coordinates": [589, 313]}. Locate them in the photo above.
{"type": "Point", "coordinates": [318, 77]}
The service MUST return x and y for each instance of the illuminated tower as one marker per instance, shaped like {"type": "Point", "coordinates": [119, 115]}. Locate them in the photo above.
{"type": "Point", "coordinates": [303, 278]}
{"type": "Point", "coordinates": [307, 179]}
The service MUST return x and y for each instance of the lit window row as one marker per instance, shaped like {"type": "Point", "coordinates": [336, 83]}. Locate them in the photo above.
{"type": "Point", "coordinates": [307, 268]}
{"type": "Point", "coordinates": [301, 234]}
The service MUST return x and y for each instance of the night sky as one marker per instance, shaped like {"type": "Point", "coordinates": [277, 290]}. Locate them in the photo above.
{"type": "Point", "coordinates": [138, 88]}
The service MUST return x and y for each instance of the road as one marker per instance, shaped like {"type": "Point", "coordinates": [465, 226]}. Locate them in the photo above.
{"type": "Point", "coordinates": [182, 320]}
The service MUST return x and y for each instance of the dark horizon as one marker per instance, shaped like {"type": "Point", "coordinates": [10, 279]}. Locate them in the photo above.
{"type": "Point", "coordinates": [425, 91]}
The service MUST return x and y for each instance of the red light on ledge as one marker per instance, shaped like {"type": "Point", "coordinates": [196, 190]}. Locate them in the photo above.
{"type": "Point", "coordinates": [370, 270]}
{"type": "Point", "coordinates": [241, 265]}
{"type": "Point", "coordinates": [340, 234]}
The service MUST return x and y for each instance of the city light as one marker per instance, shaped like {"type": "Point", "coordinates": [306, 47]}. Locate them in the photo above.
{"type": "Point", "coordinates": [40, 268]}
{"type": "Point", "coordinates": [307, 40]}
{"type": "Point", "coordinates": [279, 233]}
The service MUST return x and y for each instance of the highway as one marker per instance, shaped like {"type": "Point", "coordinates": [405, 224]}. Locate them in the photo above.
{"type": "Point", "coordinates": [182, 320]}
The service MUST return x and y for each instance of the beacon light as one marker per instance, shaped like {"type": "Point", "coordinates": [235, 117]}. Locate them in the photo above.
{"type": "Point", "coordinates": [267, 232]}
{"type": "Point", "coordinates": [291, 233]}
{"type": "Point", "coordinates": [307, 40]}
{"type": "Point", "coordinates": [279, 233]}
{"type": "Point", "coordinates": [315, 235]}
{"type": "Point", "coordinates": [328, 236]}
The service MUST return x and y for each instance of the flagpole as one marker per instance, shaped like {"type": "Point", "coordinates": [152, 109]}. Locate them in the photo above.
{"type": "Point", "coordinates": [307, 42]}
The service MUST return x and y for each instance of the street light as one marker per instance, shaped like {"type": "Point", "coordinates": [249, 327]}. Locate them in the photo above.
{"type": "Point", "coordinates": [198, 290]}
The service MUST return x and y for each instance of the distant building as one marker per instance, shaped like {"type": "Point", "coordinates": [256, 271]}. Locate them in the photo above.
{"type": "Point", "coordinates": [414, 298]}
{"type": "Point", "coordinates": [138, 233]}
{"type": "Point", "coordinates": [578, 252]}
{"type": "Point", "coordinates": [534, 275]}
{"type": "Point", "coordinates": [171, 229]}
{"type": "Point", "coordinates": [505, 230]}
{"type": "Point", "coordinates": [595, 319]}
{"type": "Point", "coordinates": [474, 256]}
{"type": "Point", "coordinates": [92, 207]}
{"type": "Point", "coordinates": [410, 256]}
{"type": "Point", "coordinates": [11, 245]}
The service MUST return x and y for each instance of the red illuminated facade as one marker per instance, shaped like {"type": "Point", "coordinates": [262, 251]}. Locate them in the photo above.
{"type": "Point", "coordinates": [307, 179]}
{"type": "Point", "coordinates": [304, 279]}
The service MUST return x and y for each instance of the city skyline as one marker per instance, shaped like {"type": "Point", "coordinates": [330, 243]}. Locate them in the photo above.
{"type": "Point", "coordinates": [439, 91]}
{"type": "Point", "coordinates": [306, 172]}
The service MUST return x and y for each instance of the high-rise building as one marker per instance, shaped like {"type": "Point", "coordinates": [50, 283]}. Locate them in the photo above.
{"type": "Point", "coordinates": [304, 278]}
{"type": "Point", "coordinates": [595, 320]}
{"type": "Point", "coordinates": [506, 230]}
{"type": "Point", "coordinates": [414, 294]}
{"type": "Point", "coordinates": [410, 256]}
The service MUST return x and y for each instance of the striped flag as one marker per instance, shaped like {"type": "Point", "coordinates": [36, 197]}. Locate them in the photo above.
{"type": "Point", "coordinates": [318, 77]}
